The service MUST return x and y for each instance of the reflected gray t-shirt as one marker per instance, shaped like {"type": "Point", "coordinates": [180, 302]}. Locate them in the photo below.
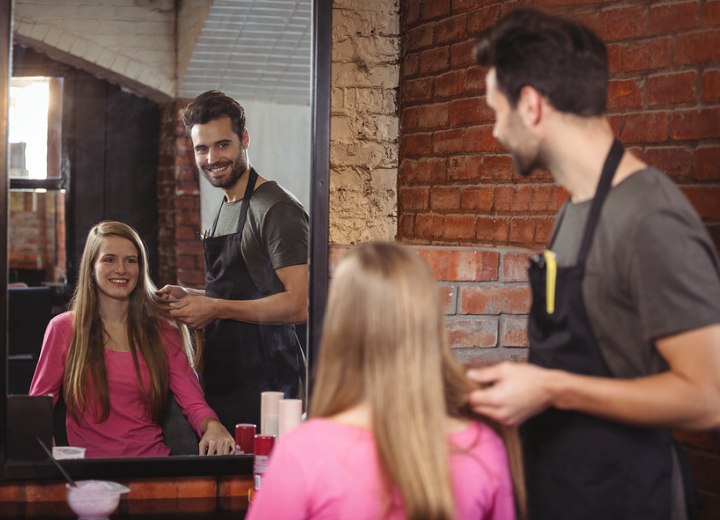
{"type": "Point", "coordinates": [275, 234]}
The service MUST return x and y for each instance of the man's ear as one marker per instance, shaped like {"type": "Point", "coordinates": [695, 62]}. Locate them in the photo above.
{"type": "Point", "coordinates": [530, 106]}
{"type": "Point", "coordinates": [245, 139]}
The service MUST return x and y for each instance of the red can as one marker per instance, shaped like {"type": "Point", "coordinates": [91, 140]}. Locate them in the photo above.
{"type": "Point", "coordinates": [263, 446]}
{"type": "Point", "coordinates": [244, 439]}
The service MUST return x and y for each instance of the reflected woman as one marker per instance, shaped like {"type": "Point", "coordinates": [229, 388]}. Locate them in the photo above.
{"type": "Point", "coordinates": [391, 436]}
{"type": "Point", "coordinates": [117, 357]}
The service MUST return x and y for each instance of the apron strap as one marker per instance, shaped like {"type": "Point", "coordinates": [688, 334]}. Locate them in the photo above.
{"type": "Point", "coordinates": [604, 184]}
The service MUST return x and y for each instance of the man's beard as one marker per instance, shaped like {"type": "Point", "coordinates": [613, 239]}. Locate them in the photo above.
{"type": "Point", "coordinates": [240, 165]}
{"type": "Point", "coordinates": [525, 165]}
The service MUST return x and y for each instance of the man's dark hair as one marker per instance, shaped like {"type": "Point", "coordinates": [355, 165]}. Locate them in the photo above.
{"type": "Point", "coordinates": [563, 60]}
{"type": "Point", "coordinates": [211, 105]}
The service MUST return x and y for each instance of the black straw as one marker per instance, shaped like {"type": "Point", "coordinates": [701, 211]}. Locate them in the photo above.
{"type": "Point", "coordinates": [57, 464]}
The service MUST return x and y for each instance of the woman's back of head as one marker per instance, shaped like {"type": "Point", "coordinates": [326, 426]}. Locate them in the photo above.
{"type": "Point", "coordinates": [384, 345]}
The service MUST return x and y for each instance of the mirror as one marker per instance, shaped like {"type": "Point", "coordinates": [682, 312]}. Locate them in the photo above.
{"type": "Point", "coordinates": [86, 206]}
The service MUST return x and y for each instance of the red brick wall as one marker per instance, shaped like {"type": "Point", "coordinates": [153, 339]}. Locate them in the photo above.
{"type": "Point", "coordinates": [36, 232]}
{"type": "Point", "coordinates": [180, 249]}
{"type": "Point", "coordinates": [455, 182]}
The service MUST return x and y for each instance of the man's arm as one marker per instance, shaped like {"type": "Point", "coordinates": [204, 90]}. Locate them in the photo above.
{"type": "Point", "coordinates": [289, 306]}
{"type": "Point", "coordinates": [686, 396]}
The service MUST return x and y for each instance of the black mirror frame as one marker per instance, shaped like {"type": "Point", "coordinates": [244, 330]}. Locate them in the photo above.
{"type": "Point", "coordinates": [319, 218]}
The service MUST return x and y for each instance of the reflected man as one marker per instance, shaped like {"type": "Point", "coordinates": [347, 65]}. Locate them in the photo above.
{"type": "Point", "coordinates": [624, 327]}
{"type": "Point", "coordinates": [256, 279]}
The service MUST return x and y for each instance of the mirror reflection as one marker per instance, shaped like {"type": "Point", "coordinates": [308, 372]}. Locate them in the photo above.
{"type": "Point", "coordinates": [115, 148]}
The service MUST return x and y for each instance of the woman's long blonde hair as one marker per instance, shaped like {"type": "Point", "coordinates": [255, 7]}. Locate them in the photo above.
{"type": "Point", "coordinates": [384, 342]}
{"type": "Point", "coordinates": [85, 361]}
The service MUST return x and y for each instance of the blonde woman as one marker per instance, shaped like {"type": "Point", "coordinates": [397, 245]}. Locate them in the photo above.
{"type": "Point", "coordinates": [117, 358]}
{"type": "Point", "coordinates": [391, 436]}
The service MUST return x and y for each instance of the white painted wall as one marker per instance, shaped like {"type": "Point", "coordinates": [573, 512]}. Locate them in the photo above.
{"type": "Point", "coordinates": [279, 150]}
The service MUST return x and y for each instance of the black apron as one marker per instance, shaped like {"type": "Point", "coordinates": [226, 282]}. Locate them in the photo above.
{"type": "Point", "coordinates": [578, 466]}
{"type": "Point", "coordinates": [241, 360]}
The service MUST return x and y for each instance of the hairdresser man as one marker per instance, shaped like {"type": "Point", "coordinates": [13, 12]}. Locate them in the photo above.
{"type": "Point", "coordinates": [256, 279]}
{"type": "Point", "coordinates": [624, 327]}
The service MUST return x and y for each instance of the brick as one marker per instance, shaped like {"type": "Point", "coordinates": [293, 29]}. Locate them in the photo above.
{"type": "Point", "coordinates": [434, 60]}
{"type": "Point", "coordinates": [706, 440]}
{"type": "Point", "coordinates": [671, 89]}
{"type": "Point", "coordinates": [514, 267]}
{"type": "Point", "coordinates": [451, 29]}
{"type": "Point", "coordinates": [450, 84]}
{"type": "Point", "coordinates": [434, 9]}
{"type": "Point", "coordinates": [645, 55]}
{"type": "Point", "coordinates": [697, 48]}
{"type": "Point", "coordinates": [464, 167]}
{"type": "Point", "coordinates": [422, 171]}
{"type": "Point", "coordinates": [475, 81]}
{"type": "Point", "coordinates": [410, 64]}
{"type": "Point", "coordinates": [480, 139]}
{"type": "Point", "coordinates": [459, 227]}
{"type": "Point", "coordinates": [419, 38]}
{"type": "Point", "coordinates": [643, 127]}
{"type": "Point", "coordinates": [492, 230]}
{"type": "Point", "coordinates": [410, 13]}
{"type": "Point", "coordinates": [428, 227]}
{"type": "Point", "coordinates": [406, 226]}
{"type": "Point", "coordinates": [483, 18]}
{"type": "Point", "coordinates": [545, 198]}
{"type": "Point", "coordinates": [706, 164]}
{"type": "Point", "coordinates": [710, 86]}
{"type": "Point", "coordinates": [470, 111]}
{"type": "Point", "coordinates": [711, 14]}
{"type": "Point", "coordinates": [522, 231]}
{"type": "Point", "coordinates": [513, 331]}
{"type": "Point", "coordinates": [445, 198]}
{"type": "Point", "coordinates": [461, 55]}
{"type": "Point", "coordinates": [448, 298]}
{"type": "Point", "coordinates": [504, 198]}
{"type": "Point", "coordinates": [459, 6]}
{"type": "Point", "coordinates": [543, 231]}
{"type": "Point", "coordinates": [480, 299]}
{"type": "Point", "coordinates": [623, 23]}
{"type": "Point", "coordinates": [462, 265]}
{"type": "Point", "coordinates": [414, 198]}
{"type": "Point", "coordinates": [696, 124]}
{"type": "Point", "coordinates": [497, 167]}
{"type": "Point", "coordinates": [409, 119]}
{"type": "Point", "coordinates": [477, 199]}
{"type": "Point", "coordinates": [417, 144]}
{"type": "Point", "coordinates": [480, 332]}
{"type": "Point", "coordinates": [675, 161]}
{"type": "Point", "coordinates": [705, 199]}
{"type": "Point", "coordinates": [448, 141]}
{"type": "Point", "coordinates": [624, 94]}
{"type": "Point", "coordinates": [420, 89]}
{"type": "Point", "coordinates": [672, 18]}
{"type": "Point", "coordinates": [433, 116]}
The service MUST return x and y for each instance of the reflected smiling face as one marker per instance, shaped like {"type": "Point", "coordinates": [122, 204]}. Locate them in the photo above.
{"type": "Point", "coordinates": [116, 268]}
{"type": "Point", "coordinates": [219, 153]}
{"type": "Point", "coordinates": [510, 129]}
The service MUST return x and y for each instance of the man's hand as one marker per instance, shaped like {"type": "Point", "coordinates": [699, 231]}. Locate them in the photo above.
{"type": "Point", "coordinates": [172, 293]}
{"type": "Point", "coordinates": [511, 392]}
{"type": "Point", "coordinates": [216, 440]}
{"type": "Point", "coordinates": [195, 311]}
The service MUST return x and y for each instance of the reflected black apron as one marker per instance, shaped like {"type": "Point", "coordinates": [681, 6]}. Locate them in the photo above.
{"type": "Point", "coordinates": [578, 466]}
{"type": "Point", "coordinates": [241, 360]}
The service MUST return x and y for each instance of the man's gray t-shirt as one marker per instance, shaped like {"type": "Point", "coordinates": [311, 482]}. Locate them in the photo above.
{"type": "Point", "coordinates": [275, 234]}
{"type": "Point", "coordinates": [652, 270]}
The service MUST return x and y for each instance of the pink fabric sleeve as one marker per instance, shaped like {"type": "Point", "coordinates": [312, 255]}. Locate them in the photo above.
{"type": "Point", "coordinates": [184, 383]}
{"type": "Point", "coordinates": [283, 493]}
{"type": "Point", "coordinates": [496, 457]}
{"type": "Point", "coordinates": [50, 369]}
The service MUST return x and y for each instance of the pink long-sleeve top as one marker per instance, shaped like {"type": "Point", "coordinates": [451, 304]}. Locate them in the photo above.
{"type": "Point", "coordinates": [129, 430]}
{"type": "Point", "coordinates": [324, 470]}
